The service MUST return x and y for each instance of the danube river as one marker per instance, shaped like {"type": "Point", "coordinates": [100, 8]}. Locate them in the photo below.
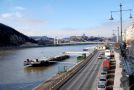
{"type": "Point", "coordinates": [13, 74]}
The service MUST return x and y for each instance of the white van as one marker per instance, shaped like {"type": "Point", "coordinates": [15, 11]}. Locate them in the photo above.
{"type": "Point", "coordinates": [107, 53]}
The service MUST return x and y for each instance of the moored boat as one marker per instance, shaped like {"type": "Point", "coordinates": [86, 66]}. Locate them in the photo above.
{"type": "Point", "coordinates": [45, 61]}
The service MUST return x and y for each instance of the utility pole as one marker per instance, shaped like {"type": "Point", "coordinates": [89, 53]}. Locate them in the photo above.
{"type": "Point", "coordinates": [113, 36]}
{"type": "Point", "coordinates": [121, 20]}
{"type": "Point", "coordinates": [118, 34]}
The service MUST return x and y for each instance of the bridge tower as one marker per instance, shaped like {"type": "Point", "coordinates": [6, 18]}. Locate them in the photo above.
{"type": "Point", "coordinates": [56, 41]}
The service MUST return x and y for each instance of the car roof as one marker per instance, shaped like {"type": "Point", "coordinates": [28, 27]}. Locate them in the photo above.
{"type": "Point", "coordinates": [101, 82]}
{"type": "Point", "coordinates": [103, 71]}
{"type": "Point", "coordinates": [102, 76]}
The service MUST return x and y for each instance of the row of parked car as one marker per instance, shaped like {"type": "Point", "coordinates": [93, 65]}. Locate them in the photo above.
{"type": "Point", "coordinates": [108, 54]}
{"type": "Point", "coordinates": [104, 71]}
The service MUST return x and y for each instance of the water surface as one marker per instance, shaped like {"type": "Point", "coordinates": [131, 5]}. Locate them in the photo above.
{"type": "Point", "coordinates": [14, 76]}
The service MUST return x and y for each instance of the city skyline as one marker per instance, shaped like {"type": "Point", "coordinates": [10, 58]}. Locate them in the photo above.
{"type": "Point", "coordinates": [63, 18]}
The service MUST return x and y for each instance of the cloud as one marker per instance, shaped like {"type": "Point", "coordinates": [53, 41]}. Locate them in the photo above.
{"type": "Point", "coordinates": [15, 14]}
{"type": "Point", "coordinates": [104, 30]}
{"type": "Point", "coordinates": [11, 15]}
{"type": "Point", "coordinates": [31, 21]}
{"type": "Point", "coordinates": [6, 15]}
{"type": "Point", "coordinates": [19, 8]}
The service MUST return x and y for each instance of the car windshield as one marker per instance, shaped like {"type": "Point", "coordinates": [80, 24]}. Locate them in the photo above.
{"type": "Point", "coordinates": [103, 73]}
{"type": "Point", "coordinates": [102, 79]}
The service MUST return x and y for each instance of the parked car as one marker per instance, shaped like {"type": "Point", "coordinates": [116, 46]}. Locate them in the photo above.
{"type": "Point", "coordinates": [105, 65]}
{"type": "Point", "coordinates": [100, 57]}
{"type": "Point", "coordinates": [107, 53]}
{"type": "Point", "coordinates": [102, 77]}
{"type": "Point", "coordinates": [103, 72]}
{"type": "Point", "coordinates": [102, 53]}
{"type": "Point", "coordinates": [101, 85]}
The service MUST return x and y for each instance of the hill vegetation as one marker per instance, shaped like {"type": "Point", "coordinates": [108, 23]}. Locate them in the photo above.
{"type": "Point", "coordinates": [11, 37]}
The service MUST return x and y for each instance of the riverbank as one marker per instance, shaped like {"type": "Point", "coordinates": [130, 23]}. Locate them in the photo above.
{"type": "Point", "coordinates": [37, 46]}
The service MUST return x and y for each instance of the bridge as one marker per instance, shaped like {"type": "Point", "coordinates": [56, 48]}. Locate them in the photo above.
{"type": "Point", "coordinates": [79, 43]}
{"type": "Point", "coordinates": [71, 52]}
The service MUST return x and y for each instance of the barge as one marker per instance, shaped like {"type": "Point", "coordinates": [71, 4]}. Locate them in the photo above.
{"type": "Point", "coordinates": [45, 61]}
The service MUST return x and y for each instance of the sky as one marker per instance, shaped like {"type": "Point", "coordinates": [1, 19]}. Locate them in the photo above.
{"type": "Point", "coordinates": [64, 18]}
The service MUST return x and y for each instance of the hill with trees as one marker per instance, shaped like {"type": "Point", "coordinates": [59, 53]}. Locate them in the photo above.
{"type": "Point", "coordinates": [11, 37]}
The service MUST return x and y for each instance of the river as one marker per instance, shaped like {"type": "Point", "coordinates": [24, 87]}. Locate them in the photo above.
{"type": "Point", "coordinates": [13, 74]}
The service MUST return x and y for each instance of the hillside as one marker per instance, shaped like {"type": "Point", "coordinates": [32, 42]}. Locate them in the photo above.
{"type": "Point", "coordinates": [11, 37]}
{"type": "Point", "coordinates": [43, 40]}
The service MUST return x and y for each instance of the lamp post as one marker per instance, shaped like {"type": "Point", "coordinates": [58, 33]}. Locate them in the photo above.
{"type": "Point", "coordinates": [111, 18]}
{"type": "Point", "coordinates": [118, 34]}
{"type": "Point", "coordinates": [121, 20]}
{"type": "Point", "coordinates": [113, 36]}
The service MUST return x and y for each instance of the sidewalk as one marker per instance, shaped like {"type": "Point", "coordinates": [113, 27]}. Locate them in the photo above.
{"type": "Point", "coordinates": [118, 73]}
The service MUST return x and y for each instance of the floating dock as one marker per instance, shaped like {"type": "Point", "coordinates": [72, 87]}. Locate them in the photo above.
{"type": "Point", "coordinates": [45, 61]}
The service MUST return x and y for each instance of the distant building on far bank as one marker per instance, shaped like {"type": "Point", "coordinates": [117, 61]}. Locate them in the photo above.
{"type": "Point", "coordinates": [130, 34]}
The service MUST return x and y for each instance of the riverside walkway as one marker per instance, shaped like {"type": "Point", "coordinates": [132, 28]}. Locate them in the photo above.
{"type": "Point", "coordinates": [118, 73]}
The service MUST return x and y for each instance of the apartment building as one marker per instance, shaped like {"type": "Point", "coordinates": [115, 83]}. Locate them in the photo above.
{"type": "Point", "coordinates": [130, 34]}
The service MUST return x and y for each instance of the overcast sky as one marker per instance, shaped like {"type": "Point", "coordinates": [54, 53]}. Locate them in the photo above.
{"type": "Point", "coordinates": [63, 18]}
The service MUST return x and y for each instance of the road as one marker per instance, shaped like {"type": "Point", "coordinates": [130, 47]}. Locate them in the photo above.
{"type": "Point", "coordinates": [85, 79]}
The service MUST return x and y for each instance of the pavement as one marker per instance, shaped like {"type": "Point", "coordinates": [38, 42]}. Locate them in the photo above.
{"type": "Point", "coordinates": [118, 73]}
{"type": "Point", "coordinates": [122, 81]}
{"type": "Point", "coordinates": [85, 79]}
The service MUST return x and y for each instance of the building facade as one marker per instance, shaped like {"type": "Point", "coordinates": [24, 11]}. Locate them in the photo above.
{"type": "Point", "coordinates": [130, 34]}
{"type": "Point", "coordinates": [124, 36]}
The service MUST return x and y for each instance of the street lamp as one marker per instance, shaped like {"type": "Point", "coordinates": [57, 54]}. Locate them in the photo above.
{"type": "Point", "coordinates": [130, 14]}
{"type": "Point", "coordinates": [111, 18]}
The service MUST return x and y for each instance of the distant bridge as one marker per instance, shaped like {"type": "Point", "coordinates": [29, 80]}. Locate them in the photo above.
{"type": "Point", "coordinates": [75, 43]}
{"type": "Point", "coordinates": [75, 52]}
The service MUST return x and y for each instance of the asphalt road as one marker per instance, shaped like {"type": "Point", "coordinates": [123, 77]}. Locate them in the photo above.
{"type": "Point", "coordinates": [85, 79]}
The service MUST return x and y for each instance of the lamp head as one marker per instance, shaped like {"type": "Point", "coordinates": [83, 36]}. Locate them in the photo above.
{"type": "Point", "coordinates": [111, 18]}
{"type": "Point", "coordinates": [130, 16]}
